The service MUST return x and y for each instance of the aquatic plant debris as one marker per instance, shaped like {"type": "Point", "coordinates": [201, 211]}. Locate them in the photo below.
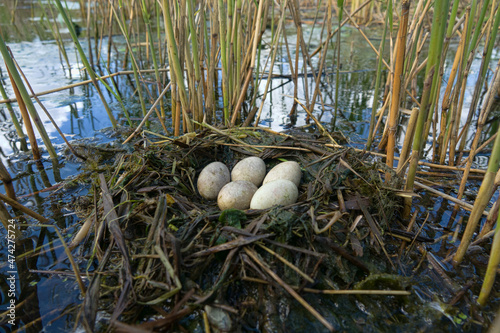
{"type": "Point", "coordinates": [294, 250]}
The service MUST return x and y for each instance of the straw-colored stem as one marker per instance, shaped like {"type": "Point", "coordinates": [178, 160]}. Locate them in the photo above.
{"type": "Point", "coordinates": [417, 140]}
{"type": "Point", "coordinates": [483, 117]}
{"type": "Point", "coordinates": [176, 65]}
{"type": "Point", "coordinates": [196, 62]}
{"type": "Point", "coordinates": [487, 52]}
{"type": "Point", "coordinates": [321, 64]}
{"type": "Point", "coordinates": [223, 57]}
{"type": "Point", "coordinates": [410, 132]}
{"type": "Point", "coordinates": [433, 60]}
{"type": "Point", "coordinates": [446, 118]}
{"type": "Point", "coordinates": [316, 314]}
{"type": "Point", "coordinates": [256, 39]}
{"type": "Point", "coordinates": [398, 74]}
{"type": "Point", "coordinates": [275, 52]}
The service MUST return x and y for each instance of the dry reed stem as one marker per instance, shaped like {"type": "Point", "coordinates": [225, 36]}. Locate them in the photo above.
{"type": "Point", "coordinates": [289, 264]}
{"type": "Point", "coordinates": [336, 216]}
{"type": "Point", "coordinates": [484, 145]}
{"type": "Point", "coordinates": [251, 115]}
{"type": "Point", "coordinates": [322, 129]}
{"type": "Point", "coordinates": [358, 292]}
{"type": "Point", "coordinates": [318, 49]}
{"type": "Point", "coordinates": [256, 39]}
{"type": "Point", "coordinates": [46, 111]}
{"type": "Point", "coordinates": [27, 120]}
{"type": "Point", "coordinates": [483, 117]}
{"type": "Point", "coordinates": [7, 181]}
{"type": "Point", "coordinates": [396, 87]}
{"type": "Point", "coordinates": [22, 208]}
{"type": "Point", "coordinates": [67, 251]}
{"type": "Point", "coordinates": [408, 140]}
{"type": "Point", "coordinates": [463, 204]}
{"type": "Point", "coordinates": [374, 228]}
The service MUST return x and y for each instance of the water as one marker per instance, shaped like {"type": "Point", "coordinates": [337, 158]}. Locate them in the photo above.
{"type": "Point", "coordinates": [53, 297]}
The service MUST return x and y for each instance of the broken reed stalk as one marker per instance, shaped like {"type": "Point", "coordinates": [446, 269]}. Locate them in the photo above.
{"type": "Point", "coordinates": [396, 86]}
{"type": "Point", "coordinates": [82, 83]}
{"type": "Point", "coordinates": [86, 63]}
{"type": "Point", "coordinates": [26, 100]}
{"type": "Point", "coordinates": [25, 210]}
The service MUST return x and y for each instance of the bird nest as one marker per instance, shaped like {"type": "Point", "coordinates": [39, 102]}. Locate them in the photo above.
{"type": "Point", "coordinates": [164, 258]}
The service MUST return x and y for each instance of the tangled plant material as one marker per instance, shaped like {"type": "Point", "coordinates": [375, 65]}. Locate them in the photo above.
{"type": "Point", "coordinates": [177, 252]}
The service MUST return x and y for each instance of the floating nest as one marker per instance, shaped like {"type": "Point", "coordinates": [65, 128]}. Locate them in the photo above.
{"type": "Point", "coordinates": [163, 258]}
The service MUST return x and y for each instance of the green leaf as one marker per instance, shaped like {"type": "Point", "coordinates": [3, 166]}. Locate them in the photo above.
{"type": "Point", "coordinates": [233, 218]}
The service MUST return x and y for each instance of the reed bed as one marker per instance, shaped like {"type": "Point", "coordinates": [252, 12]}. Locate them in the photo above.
{"type": "Point", "coordinates": [208, 55]}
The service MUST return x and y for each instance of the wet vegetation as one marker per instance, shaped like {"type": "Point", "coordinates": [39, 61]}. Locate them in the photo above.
{"type": "Point", "coordinates": [362, 249]}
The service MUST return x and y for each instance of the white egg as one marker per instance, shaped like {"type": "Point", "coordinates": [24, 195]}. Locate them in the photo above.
{"type": "Point", "coordinates": [287, 170]}
{"type": "Point", "coordinates": [279, 192]}
{"type": "Point", "coordinates": [236, 195]}
{"type": "Point", "coordinates": [252, 169]}
{"type": "Point", "coordinates": [212, 178]}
